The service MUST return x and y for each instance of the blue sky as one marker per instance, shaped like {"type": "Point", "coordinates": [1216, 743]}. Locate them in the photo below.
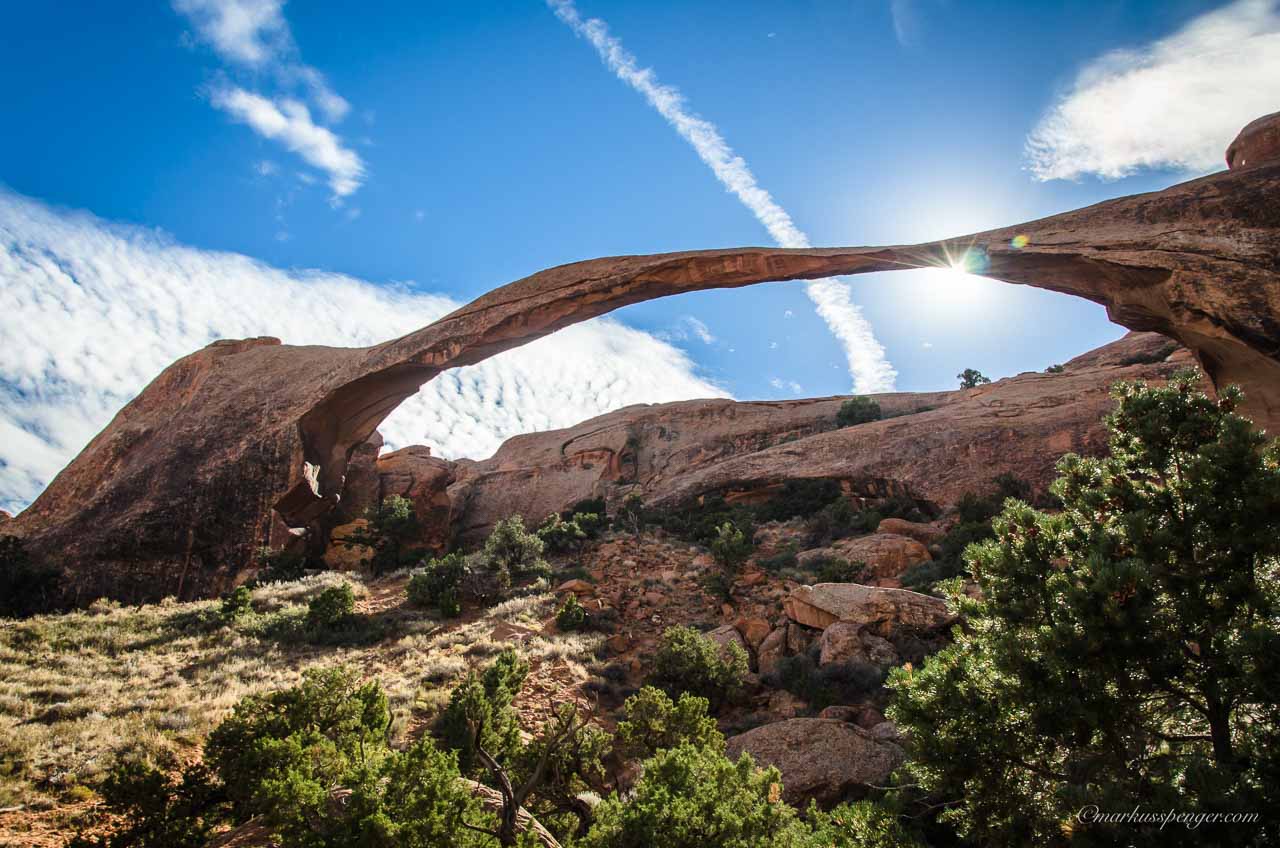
{"type": "Point", "coordinates": [456, 147]}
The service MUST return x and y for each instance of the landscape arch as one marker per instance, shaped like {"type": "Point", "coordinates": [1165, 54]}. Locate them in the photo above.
{"type": "Point", "coordinates": [246, 442]}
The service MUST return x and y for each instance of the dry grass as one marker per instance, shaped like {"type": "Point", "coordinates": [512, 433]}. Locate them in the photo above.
{"type": "Point", "coordinates": [78, 691]}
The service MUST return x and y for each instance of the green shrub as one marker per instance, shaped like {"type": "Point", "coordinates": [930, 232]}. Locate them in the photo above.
{"type": "Point", "coordinates": [691, 797]}
{"type": "Point", "coordinates": [438, 584]}
{"type": "Point", "coordinates": [25, 587]}
{"type": "Point", "coordinates": [572, 615]}
{"type": "Point", "coordinates": [393, 527]}
{"type": "Point", "coordinates": [331, 608]}
{"type": "Point", "coordinates": [862, 824]}
{"type": "Point", "coordinates": [632, 517]}
{"type": "Point", "coordinates": [700, 521]}
{"type": "Point", "coordinates": [858, 410]}
{"type": "Point", "coordinates": [655, 723]}
{"type": "Point", "coordinates": [236, 603]}
{"type": "Point", "coordinates": [329, 715]}
{"type": "Point", "coordinates": [1124, 647]}
{"type": "Point", "coordinates": [835, 570]}
{"type": "Point", "coordinates": [688, 661]}
{"type": "Point", "coordinates": [1055, 369]}
{"type": "Point", "coordinates": [154, 810]}
{"type": "Point", "coordinates": [824, 686]}
{"type": "Point", "coordinates": [731, 547]}
{"type": "Point", "coordinates": [971, 378]}
{"type": "Point", "coordinates": [512, 555]}
{"type": "Point", "coordinates": [781, 561]}
{"type": "Point", "coordinates": [560, 534]}
{"type": "Point", "coordinates": [484, 700]}
{"type": "Point", "coordinates": [280, 566]}
{"type": "Point", "coordinates": [799, 499]}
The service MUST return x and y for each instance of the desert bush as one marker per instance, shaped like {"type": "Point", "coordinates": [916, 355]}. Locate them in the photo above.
{"type": "Point", "coordinates": [392, 528]}
{"type": "Point", "coordinates": [279, 566]}
{"type": "Point", "coordinates": [857, 410]}
{"type": "Point", "coordinates": [688, 661]}
{"type": "Point", "coordinates": [331, 716]}
{"type": "Point", "coordinates": [236, 603]}
{"type": "Point", "coordinates": [155, 810]}
{"type": "Point", "coordinates": [438, 583]}
{"type": "Point", "coordinates": [1118, 645]}
{"type": "Point", "coordinates": [560, 535]}
{"type": "Point", "coordinates": [1055, 369]}
{"type": "Point", "coordinates": [783, 560]}
{"type": "Point", "coordinates": [824, 686]}
{"type": "Point", "coordinates": [655, 723]}
{"type": "Point", "coordinates": [571, 615]}
{"type": "Point", "coordinates": [731, 547]}
{"type": "Point", "coordinates": [513, 555]}
{"type": "Point", "coordinates": [690, 797]}
{"type": "Point", "coordinates": [484, 700]}
{"type": "Point", "coordinates": [861, 824]}
{"type": "Point", "coordinates": [799, 499]}
{"type": "Point", "coordinates": [331, 608]}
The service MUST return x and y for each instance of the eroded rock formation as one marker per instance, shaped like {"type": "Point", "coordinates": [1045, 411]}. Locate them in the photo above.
{"type": "Point", "coordinates": [246, 443]}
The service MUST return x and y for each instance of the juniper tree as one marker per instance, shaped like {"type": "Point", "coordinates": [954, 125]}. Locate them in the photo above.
{"type": "Point", "coordinates": [1125, 652]}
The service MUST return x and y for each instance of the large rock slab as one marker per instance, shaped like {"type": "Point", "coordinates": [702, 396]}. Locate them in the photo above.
{"type": "Point", "coordinates": [881, 610]}
{"type": "Point", "coordinates": [884, 554]}
{"type": "Point", "coordinates": [925, 534]}
{"type": "Point", "coordinates": [821, 759]}
{"type": "Point", "coordinates": [248, 442]}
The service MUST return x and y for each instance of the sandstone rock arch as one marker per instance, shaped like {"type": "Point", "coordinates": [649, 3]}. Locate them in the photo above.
{"type": "Point", "coordinates": [244, 442]}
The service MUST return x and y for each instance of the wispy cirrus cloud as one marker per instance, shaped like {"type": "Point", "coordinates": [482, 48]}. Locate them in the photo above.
{"type": "Point", "coordinates": [1174, 103]}
{"type": "Point", "coordinates": [254, 36]}
{"type": "Point", "coordinates": [91, 311]}
{"type": "Point", "coordinates": [289, 122]}
{"type": "Point", "coordinates": [868, 365]}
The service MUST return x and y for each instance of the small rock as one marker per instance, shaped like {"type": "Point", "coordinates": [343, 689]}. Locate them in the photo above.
{"type": "Point", "coordinates": [879, 651]}
{"type": "Point", "coordinates": [753, 630]}
{"type": "Point", "coordinates": [868, 717]}
{"type": "Point", "coordinates": [726, 610]}
{"type": "Point", "coordinates": [887, 731]}
{"type": "Point", "coordinates": [653, 599]}
{"type": "Point", "coordinates": [840, 712]}
{"type": "Point", "coordinates": [618, 643]}
{"type": "Point", "coordinates": [772, 650]}
{"type": "Point", "coordinates": [577, 587]}
{"type": "Point", "coordinates": [840, 643]}
{"type": "Point", "coordinates": [784, 705]}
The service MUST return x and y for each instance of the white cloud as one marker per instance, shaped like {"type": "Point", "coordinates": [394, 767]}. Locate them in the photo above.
{"type": "Point", "coordinates": [788, 314]}
{"type": "Point", "coordinates": [1174, 103]}
{"type": "Point", "coordinates": [906, 21]}
{"type": "Point", "coordinates": [289, 122]}
{"type": "Point", "coordinates": [91, 311]}
{"type": "Point", "coordinates": [786, 385]}
{"type": "Point", "coordinates": [246, 32]}
{"type": "Point", "coordinates": [867, 363]}
{"type": "Point", "coordinates": [254, 34]}
{"type": "Point", "coordinates": [927, 345]}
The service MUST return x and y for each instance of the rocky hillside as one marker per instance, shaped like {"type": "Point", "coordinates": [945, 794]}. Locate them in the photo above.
{"type": "Point", "coordinates": [930, 446]}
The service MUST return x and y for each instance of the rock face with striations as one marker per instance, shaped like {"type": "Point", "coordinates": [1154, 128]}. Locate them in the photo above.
{"type": "Point", "coordinates": [246, 443]}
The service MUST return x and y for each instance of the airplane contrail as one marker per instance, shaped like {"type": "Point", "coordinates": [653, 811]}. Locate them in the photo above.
{"type": "Point", "coordinates": [868, 365]}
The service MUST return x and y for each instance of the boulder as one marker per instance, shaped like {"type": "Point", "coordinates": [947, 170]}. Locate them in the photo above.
{"type": "Point", "coordinates": [753, 630]}
{"type": "Point", "coordinates": [882, 610]}
{"type": "Point", "coordinates": [879, 651]}
{"type": "Point", "coordinates": [577, 587]}
{"type": "Point", "coordinates": [727, 635]}
{"type": "Point", "coordinates": [820, 759]}
{"type": "Point", "coordinates": [886, 555]}
{"type": "Point", "coordinates": [925, 534]}
{"type": "Point", "coordinates": [886, 731]}
{"type": "Point", "coordinates": [772, 650]}
{"type": "Point", "coordinates": [840, 643]}
{"type": "Point", "coordinates": [343, 557]}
